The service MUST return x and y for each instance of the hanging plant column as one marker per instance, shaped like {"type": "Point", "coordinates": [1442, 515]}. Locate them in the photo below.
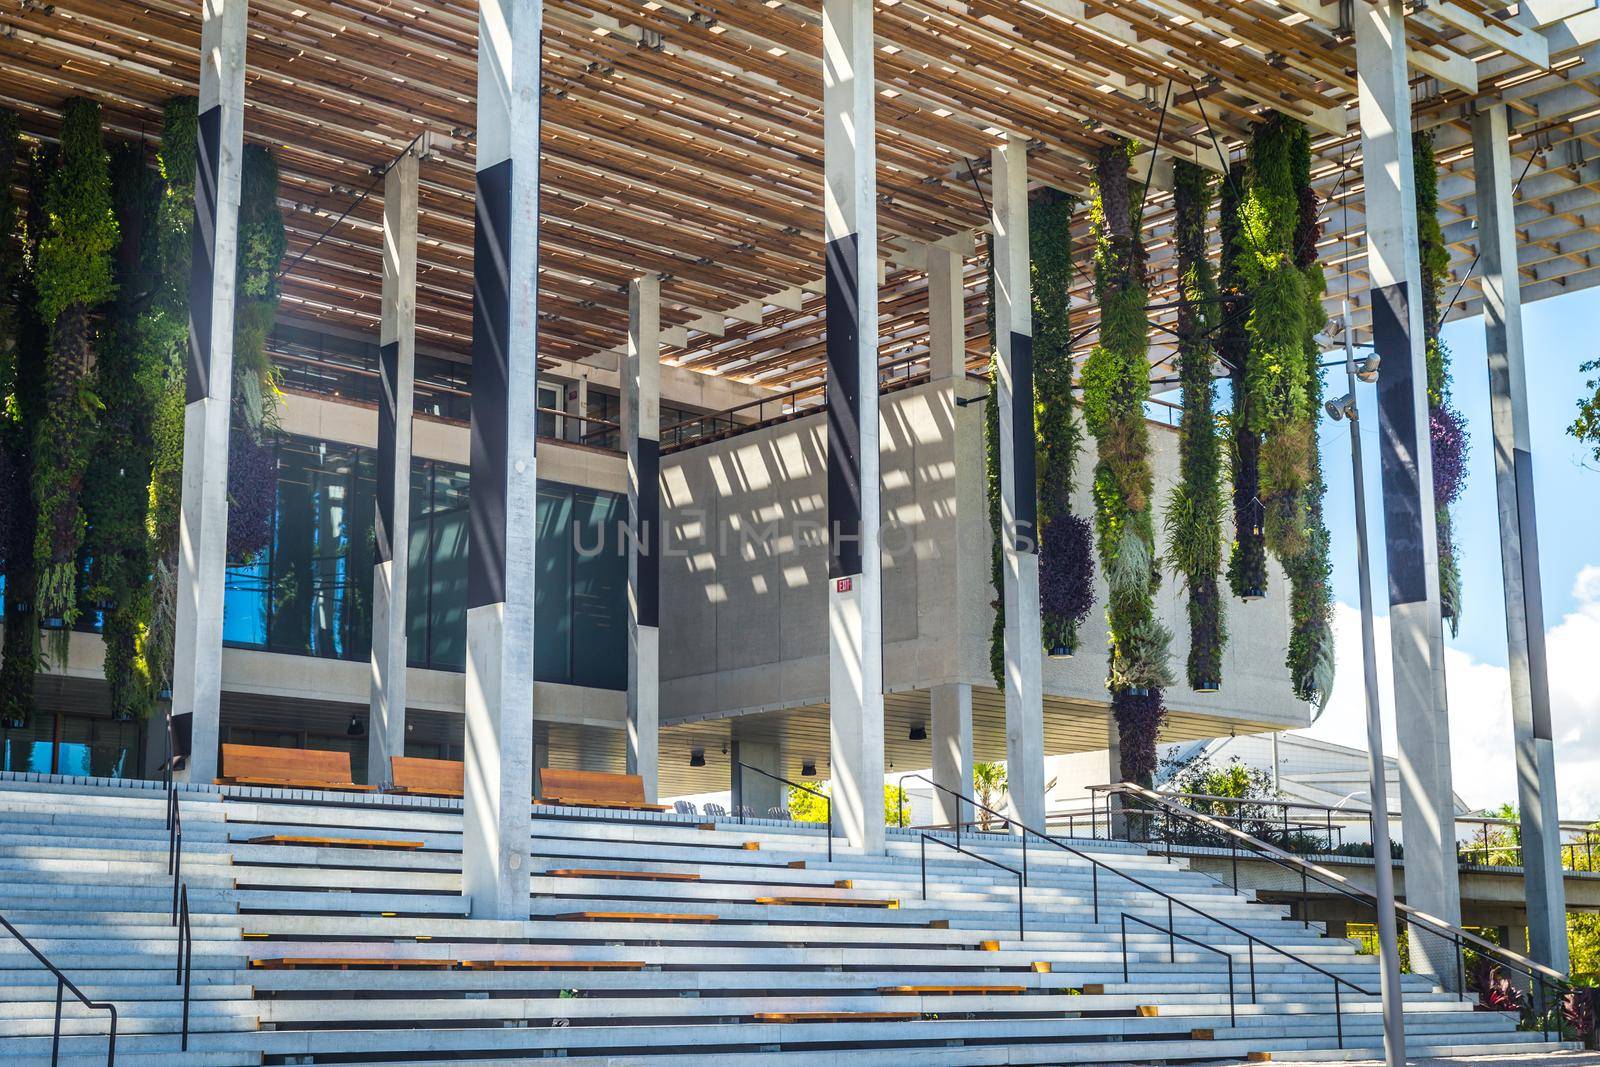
{"type": "Point", "coordinates": [74, 278]}
{"type": "Point", "coordinates": [1310, 659]}
{"type": "Point", "coordinates": [1116, 383]}
{"type": "Point", "coordinates": [1066, 565]}
{"type": "Point", "coordinates": [1194, 517]}
{"type": "Point", "coordinates": [1275, 372]}
{"type": "Point", "coordinates": [1447, 429]}
{"type": "Point", "coordinates": [1247, 562]}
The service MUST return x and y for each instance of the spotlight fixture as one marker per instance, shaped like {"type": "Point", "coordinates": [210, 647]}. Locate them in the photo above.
{"type": "Point", "coordinates": [1367, 369]}
{"type": "Point", "coordinates": [1061, 652]}
{"type": "Point", "coordinates": [808, 769]}
{"type": "Point", "coordinates": [697, 757]}
{"type": "Point", "coordinates": [356, 727]}
{"type": "Point", "coordinates": [1342, 408]}
{"type": "Point", "coordinates": [919, 732]}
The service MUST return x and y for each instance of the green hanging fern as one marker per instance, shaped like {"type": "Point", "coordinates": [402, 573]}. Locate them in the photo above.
{"type": "Point", "coordinates": [1066, 566]}
{"type": "Point", "coordinates": [1116, 384]}
{"type": "Point", "coordinates": [73, 277]}
{"type": "Point", "coordinates": [1194, 516]}
{"type": "Point", "coordinates": [164, 334]}
{"type": "Point", "coordinates": [1448, 432]}
{"type": "Point", "coordinates": [1247, 559]}
{"type": "Point", "coordinates": [1275, 372]}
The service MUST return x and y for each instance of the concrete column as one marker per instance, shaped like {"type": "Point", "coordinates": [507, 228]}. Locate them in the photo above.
{"type": "Point", "coordinates": [1019, 495]}
{"type": "Point", "coordinates": [1415, 626]}
{"type": "Point", "coordinates": [1519, 540]}
{"type": "Point", "coordinates": [641, 427]}
{"type": "Point", "coordinates": [947, 314]}
{"type": "Point", "coordinates": [579, 406]}
{"type": "Point", "coordinates": [386, 722]}
{"type": "Point", "coordinates": [203, 523]}
{"type": "Point", "coordinates": [850, 227]}
{"type": "Point", "coordinates": [757, 791]}
{"type": "Point", "coordinates": [952, 750]}
{"type": "Point", "coordinates": [497, 824]}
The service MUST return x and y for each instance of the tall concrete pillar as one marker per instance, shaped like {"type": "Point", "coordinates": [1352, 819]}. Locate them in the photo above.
{"type": "Point", "coordinates": [850, 227]}
{"type": "Point", "coordinates": [208, 394]}
{"type": "Point", "coordinates": [1019, 495]}
{"type": "Point", "coordinates": [947, 314]}
{"type": "Point", "coordinates": [386, 721]}
{"type": "Point", "coordinates": [1519, 540]}
{"type": "Point", "coordinates": [750, 789]}
{"type": "Point", "coordinates": [641, 427]}
{"type": "Point", "coordinates": [1415, 625]}
{"type": "Point", "coordinates": [952, 751]}
{"type": "Point", "coordinates": [500, 558]}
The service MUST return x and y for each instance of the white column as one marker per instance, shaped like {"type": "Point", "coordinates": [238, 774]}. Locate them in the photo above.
{"type": "Point", "coordinates": [855, 631]}
{"type": "Point", "coordinates": [1416, 632]}
{"type": "Point", "coordinates": [386, 721]}
{"type": "Point", "coordinates": [203, 524]}
{"type": "Point", "coordinates": [1519, 540]}
{"type": "Point", "coordinates": [497, 820]}
{"type": "Point", "coordinates": [641, 427]}
{"type": "Point", "coordinates": [947, 314]}
{"type": "Point", "coordinates": [1019, 497]}
{"type": "Point", "coordinates": [952, 750]}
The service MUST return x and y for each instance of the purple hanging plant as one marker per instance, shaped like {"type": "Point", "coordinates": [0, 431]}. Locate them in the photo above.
{"type": "Point", "coordinates": [1448, 437]}
{"type": "Point", "coordinates": [1066, 575]}
{"type": "Point", "coordinates": [252, 494]}
{"type": "Point", "coordinates": [1139, 713]}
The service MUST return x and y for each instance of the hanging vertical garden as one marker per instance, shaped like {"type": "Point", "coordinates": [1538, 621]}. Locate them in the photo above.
{"type": "Point", "coordinates": [1116, 384]}
{"type": "Point", "coordinates": [1194, 516]}
{"type": "Point", "coordinates": [1066, 563]}
{"type": "Point", "coordinates": [1310, 659]}
{"type": "Point", "coordinates": [73, 278]}
{"type": "Point", "coordinates": [1247, 560]}
{"type": "Point", "coordinates": [1447, 431]}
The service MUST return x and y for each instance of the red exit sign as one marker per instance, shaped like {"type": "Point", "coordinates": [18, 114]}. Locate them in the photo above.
{"type": "Point", "coordinates": [844, 584]}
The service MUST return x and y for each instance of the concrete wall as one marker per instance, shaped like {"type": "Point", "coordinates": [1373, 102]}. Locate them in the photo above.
{"type": "Point", "coordinates": [744, 569]}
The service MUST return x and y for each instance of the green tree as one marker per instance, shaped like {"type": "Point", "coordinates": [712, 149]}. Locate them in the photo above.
{"type": "Point", "coordinates": [1586, 427]}
{"type": "Point", "coordinates": [808, 807]}
{"type": "Point", "coordinates": [988, 787]}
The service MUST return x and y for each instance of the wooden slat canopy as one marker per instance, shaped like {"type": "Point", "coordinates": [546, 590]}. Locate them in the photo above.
{"type": "Point", "coordinates": [684, 137]}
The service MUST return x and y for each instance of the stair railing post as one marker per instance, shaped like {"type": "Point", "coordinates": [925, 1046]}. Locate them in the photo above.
{"type": "Point", "coordinates": [1338, 1013]}
{"type": "Point", "coordinates": [1094, 878]}
{"type": "Point", "coordinates": [924, 849]}
{"type": "Point", "coordinates": [1125, 948]}
{"type": "Point", "coordinates": [55, 1039]}
{"type": "Point", "coordinates": [1305, 900]}
{"type": "Point", "coordinates": [1233, 1012]}
{"type": "Point", "coordinates": [1252, 945]}
{"type": "Point", "coordinates": [1172, 939]}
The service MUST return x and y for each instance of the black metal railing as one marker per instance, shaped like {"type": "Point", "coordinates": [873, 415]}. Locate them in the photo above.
{"type": "Point", "coordinates": [1541, 979]}
{"type": "Point", "coordinates": [1173, 937]}
{"type": "Point", "coordinates": [1022, 880]}
{"type": "Point", "coordinates": [180, 891]}
{"type": "Point", "coordinates": [65, 985]}
{"type": "Point", "coordinates": [1251, 940]}
{"type": "Point", "coordinates": [827, 801]}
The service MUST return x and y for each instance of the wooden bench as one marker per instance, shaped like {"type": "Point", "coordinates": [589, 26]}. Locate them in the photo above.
{"type": "Point", "coordinates": [331, 842]}
{"type": "Point", "coordinates": [345, 963]}
{"type": "Point", "coordinates": [828, 902]}
{"type": "Point", "coordinates": [952, 990]}
{"type": "Point", "coordinates": [595, 789]}
{"type": "Point", "coordinates": [417, 776]}
{"type": "Point", "coordinates": [297, 768]}
{"type": "Point", "coordinates": [633, 917]}
{"type": "Point", "coordinates": [836, 1016]}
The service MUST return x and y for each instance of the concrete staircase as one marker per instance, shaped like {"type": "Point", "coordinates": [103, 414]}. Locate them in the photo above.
{"type": "Point", "coordinates": [651, 939]}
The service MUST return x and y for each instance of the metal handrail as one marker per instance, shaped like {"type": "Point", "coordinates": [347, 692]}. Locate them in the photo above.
{"type": "Point", "coordinates": [1172, 957]}
{"type": "Point", "coordinates": [1541, 976]}
{"type": "Point", "coordinates": [65, 983]}
{"type": "Point", "coordinates": [826, 799]}
{"type": "Point", "coordinates": [185, 968]}
{"type": "Point", "coordinates": [1251, 939]}
{"type": "Point", "coordinates": [1022, 933]}
{"type": "Point", "coordinates": [180, 890]}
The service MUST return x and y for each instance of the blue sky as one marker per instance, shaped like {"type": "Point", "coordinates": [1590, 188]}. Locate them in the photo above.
{"type": "Point", "coordinates": [1560, 333]}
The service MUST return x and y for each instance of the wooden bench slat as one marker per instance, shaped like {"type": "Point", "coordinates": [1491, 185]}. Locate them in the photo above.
{"type": "Point", "coordinates": [345, 963]}
{"type": "Point", "coordinates": [332, 842]}
{"type": "Point", "coordinates": [594, 789]}
{"type": "Point", "coordinates": [829, 902]}
{"type": "Point", "coordinates": [288, 768]}
{"type": "Point", "coordinates": [418, 776]}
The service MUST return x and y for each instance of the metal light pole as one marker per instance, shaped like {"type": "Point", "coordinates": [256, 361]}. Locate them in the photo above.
{"type": "Point", "coordinates": [1394, 1035]}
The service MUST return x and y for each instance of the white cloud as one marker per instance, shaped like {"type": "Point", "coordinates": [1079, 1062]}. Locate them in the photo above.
{"type": "Point", "coordinates": [1480, 706]}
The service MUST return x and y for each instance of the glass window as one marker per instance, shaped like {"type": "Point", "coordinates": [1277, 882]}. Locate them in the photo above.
{"type": "Point", "coordinates": [29, 748]}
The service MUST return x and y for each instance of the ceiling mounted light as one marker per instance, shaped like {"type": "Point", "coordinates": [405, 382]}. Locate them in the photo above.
{"type": "Point", "coordinates": [697, 758]}
{"type": "Point", "coordinates": [919, 732]}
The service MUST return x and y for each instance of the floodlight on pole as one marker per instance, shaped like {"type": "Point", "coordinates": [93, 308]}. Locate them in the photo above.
{"type": "Point", "coordinates": [1394, 1037]}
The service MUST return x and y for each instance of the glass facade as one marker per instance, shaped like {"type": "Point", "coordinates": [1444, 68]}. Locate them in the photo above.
{"type": "Point", "coordinates": [72, 744]}
{"type": "Point", "coordinates": [310, 593]}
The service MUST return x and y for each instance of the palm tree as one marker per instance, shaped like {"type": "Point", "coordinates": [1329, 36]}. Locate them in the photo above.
{"type": "Point", "coordinates": [989, 785]}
